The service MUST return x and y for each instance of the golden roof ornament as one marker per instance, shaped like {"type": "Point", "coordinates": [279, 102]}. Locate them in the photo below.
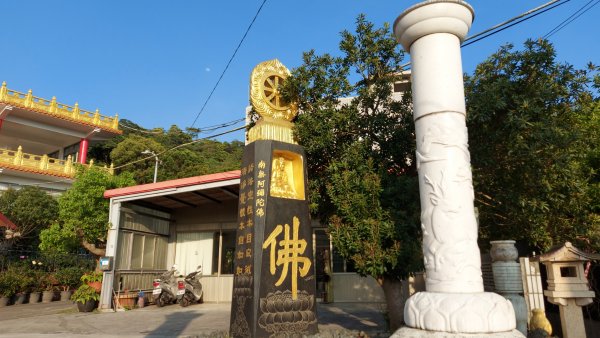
{"type": "Point", "coordinates": [275, 113]}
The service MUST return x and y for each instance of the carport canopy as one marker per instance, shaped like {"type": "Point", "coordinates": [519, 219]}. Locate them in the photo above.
{"type": "Point", "coordinates": [181, 193]}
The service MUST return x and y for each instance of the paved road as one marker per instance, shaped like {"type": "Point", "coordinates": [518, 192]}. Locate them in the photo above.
{"type": "Point", "coordinates": [61, 319]}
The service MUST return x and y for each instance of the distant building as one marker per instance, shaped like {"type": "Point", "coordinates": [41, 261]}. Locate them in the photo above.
{"type": "Point", "coordinates": [42, 140]}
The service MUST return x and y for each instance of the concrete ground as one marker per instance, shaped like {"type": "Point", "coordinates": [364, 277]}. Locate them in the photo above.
{"type": "Point", "coordinates": [61, 319]}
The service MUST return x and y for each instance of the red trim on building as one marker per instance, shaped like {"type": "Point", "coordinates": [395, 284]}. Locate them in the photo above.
{"type": "Point", "coordinates": [5, 222]}
{"type": "Point", "coordinates": [182, 182]}
{"type": "Point", "coordinates": [36, 171]}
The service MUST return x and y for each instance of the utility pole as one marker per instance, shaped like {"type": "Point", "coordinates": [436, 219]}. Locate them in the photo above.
{"type": "Point", "coordinates": [149, 152]}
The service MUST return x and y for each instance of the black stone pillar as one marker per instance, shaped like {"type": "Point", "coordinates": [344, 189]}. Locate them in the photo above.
{"type": "Point", "coordinates": [274, 282]}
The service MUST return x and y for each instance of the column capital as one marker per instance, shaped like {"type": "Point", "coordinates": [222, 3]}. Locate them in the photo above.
{"type": "Point", "coordinates": [433, 16]}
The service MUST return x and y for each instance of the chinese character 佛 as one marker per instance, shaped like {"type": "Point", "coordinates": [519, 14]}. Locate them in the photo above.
{"type": "Point", "coordinates": [286, 252]}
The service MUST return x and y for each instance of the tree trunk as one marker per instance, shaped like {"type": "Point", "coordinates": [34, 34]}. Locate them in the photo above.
{"type": "Point", "coordinates": [392, 289]}
{"type": "Point", "coordinates": [91, 247]}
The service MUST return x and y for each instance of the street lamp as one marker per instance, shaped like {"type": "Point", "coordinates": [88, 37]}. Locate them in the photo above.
{"type": "Point", "coordinates": [149, 152]}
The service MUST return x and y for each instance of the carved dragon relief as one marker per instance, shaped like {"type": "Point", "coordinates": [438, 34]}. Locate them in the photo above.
{"type": "Point", "coordinates": [450, 253]}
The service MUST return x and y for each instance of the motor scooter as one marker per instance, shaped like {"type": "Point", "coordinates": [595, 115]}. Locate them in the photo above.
{"type": "Point", "coordinates": [189, 290]}
{"type": "Point", "coordinates": [165, 287]}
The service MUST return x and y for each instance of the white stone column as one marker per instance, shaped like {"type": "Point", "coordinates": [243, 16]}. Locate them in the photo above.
{"type": "Point", "coordinates": [454, 301]}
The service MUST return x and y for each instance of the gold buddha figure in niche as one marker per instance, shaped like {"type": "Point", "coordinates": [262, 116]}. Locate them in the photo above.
{"type": "Point", "coordinates": [282, 184]}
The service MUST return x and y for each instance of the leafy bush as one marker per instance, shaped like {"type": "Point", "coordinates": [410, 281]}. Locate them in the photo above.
{"type": "Point", "coordinates": [25, 281]}
{"type": "Point", "coordinates": [55, 261]}
{"type": "Point", "coordinates": [8, 284]}
{"type": "Point", "coordinates": [85, 293]}
{"type": "Point", "coordinates": [91, 277]}
{"type": "Point", "coordinates": [18, 279]}
{"type": "Point", "coordinates": [69, 277]}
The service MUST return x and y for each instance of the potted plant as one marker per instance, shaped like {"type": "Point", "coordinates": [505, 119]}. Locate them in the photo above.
{"type": "Point", "coordinates": [93, 279]}
{"type": "Point", "coordinates": [24, 282]}
{"type": "Point", "coordinates": [67, 278]}
{"type": "Point", "coordinates": [85, 297]}
{"type": "Point", "coordinates": [37, 276]}
{"type": "Point", "coordinates": [49, 287]}
{"type": "Point", "coordinates": [8, 287]}
{"type": "Point", "coordinates": [37, 286]}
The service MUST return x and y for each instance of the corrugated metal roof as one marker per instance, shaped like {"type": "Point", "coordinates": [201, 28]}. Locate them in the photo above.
{"type": "Point", "coordinates": [178, 183]}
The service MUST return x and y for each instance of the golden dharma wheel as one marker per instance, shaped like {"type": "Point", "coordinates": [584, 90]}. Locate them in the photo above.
{"type": "Point", "coordinates": [265, 82]}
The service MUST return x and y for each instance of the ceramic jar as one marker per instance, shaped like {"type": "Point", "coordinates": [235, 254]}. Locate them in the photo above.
{"type": "Point", "coordinates": [504, 251]}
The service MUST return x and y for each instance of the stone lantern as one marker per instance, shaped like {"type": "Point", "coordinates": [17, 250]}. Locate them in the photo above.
{"type": "Point", "coordinates": [568, 285]}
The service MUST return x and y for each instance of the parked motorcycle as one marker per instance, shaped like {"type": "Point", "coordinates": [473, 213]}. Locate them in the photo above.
{"type": "Point", "coordinates": [165, 288]}
{"type": "Point", "coordinates": [189, 290]}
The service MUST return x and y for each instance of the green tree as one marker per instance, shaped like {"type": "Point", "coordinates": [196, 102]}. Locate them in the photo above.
{"type": "Point", "coordinates": [360, 155]}
{"type": "Point", "coordinates": [176, 161]}
{"type": "Point", "coordinates": [31, 209]}
{"type": "Point", "coordinates": [100, 151]}
{"type": "Point", "coordinates": [130, 150]}
{"type": "Point", "coordinates": [174, 137]}
{"type": "Point", "coordinates": [83, 212]}
{"type": "Point", "coordinates": [533, 128]}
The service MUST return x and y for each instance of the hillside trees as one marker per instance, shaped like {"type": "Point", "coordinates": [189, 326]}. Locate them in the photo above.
{"type": "Point", "coordinates": [198, 158]}
{"type": "Point", "coordinates": [361, 155]}
{"type": "Point", "coordinates": [534, 137]}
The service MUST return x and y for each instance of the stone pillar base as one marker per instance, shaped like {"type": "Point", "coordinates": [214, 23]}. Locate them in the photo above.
{"type": "Point", "coordinates": [472, 313]}
{"type": "Point", "coordinates": [409, 332]}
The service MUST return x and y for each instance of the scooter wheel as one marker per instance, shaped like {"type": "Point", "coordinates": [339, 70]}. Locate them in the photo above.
{"type": "Point", "coordinates": [184, 302]}
{"type": "Point", "coordinates": [160, 302]}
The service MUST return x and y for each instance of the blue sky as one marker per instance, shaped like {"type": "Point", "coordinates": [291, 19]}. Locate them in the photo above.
{"type": "Point", "coordinates": [155, 62]}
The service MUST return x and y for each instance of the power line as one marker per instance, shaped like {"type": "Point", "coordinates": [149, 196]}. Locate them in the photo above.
{"type": "Point", "coordinates": [486, 33]}
{"type": "Point", "coordinates": [570, 19]}
{"type": "Point", "coordinates": [531, 11]}
{"type": "Point", "coordinates": [503, 25]}
{"type": "Point", "coordinates": [220, 126]}
{"type": "Point", "coordinates": [140, 130]}
{"type": "Point", "coordinates": [540, 11]}
{"type": "Point", "coordinates": [228, 63]}
{"type": "Point", "coordinates": [202, 129]}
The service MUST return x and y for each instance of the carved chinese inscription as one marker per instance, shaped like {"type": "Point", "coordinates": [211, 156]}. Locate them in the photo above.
{"type": "Point", "coordinates": [285, 252]}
